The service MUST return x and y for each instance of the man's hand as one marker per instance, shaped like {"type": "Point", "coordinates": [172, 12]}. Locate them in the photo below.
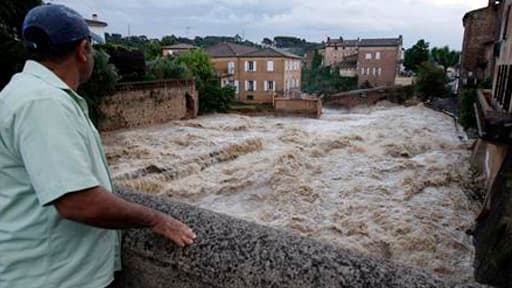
{"type": "Point", "coordinates": [173, 229]}
{"type": "Point", "coordinates": [100, 208]}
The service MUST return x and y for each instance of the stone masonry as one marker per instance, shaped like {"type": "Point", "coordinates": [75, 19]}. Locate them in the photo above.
{"type": "Point", "coordinates": [148, 103]}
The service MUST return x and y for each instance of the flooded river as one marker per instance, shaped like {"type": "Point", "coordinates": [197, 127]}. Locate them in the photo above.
{"type": "Point", "coordinates": [389, 181]}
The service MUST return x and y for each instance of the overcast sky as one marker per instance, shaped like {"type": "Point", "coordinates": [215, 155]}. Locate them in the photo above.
{"type": "Point", "coordinates": [437, 21]}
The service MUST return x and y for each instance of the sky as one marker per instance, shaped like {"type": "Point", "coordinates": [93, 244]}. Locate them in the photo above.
{"type": "Point", "coordinates": [437, 21]}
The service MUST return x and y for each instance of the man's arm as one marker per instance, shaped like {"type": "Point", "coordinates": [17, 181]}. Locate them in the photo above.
{"type": "Point", "coordinates": [100, 208]}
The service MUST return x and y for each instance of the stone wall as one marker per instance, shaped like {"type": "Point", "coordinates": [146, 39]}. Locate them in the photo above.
{"type": "Point", "coordinates": [309, 106]}
{"type": "Point", "coordinates": [232, 253]}
{"type": "Point", "coordinates": [481, 31]}
{"type": "Point", "coordinates": [147, 103]}
{"type": "Point", "coordinates": [350, 99]}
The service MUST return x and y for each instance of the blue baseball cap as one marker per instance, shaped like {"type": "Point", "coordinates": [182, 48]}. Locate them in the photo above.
{"type": "Point", "coordinates": [61, 25]}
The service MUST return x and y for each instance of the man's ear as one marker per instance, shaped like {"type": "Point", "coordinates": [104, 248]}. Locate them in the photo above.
{"type": "Point", "coordinates": [83, 51]}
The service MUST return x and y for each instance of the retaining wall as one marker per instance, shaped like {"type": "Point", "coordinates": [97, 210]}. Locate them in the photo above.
{"type": "Point", "coordinates": [234, 253]}
{"type": "Point", "coordinates": [307, 106]}
{"type": "Point", "coordinates": [350, 99]}
{"type": "Point", "coordinates": [147, 103]}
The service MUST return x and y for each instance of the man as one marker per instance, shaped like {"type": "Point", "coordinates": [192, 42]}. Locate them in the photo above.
{"type": "Point", "coordinates": [56, 205]}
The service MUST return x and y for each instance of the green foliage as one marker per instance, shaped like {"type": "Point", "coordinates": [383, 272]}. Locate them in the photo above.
{"type": "Point", "coordinates": [130, 63]}
{"type": "Point", "coordinates": [12, 13]}
{"type": "Point", "coordinates": [431, 81]}
{"type": "Point", "coordinates": [486, 83]}
{"type": "Point", "coordinates": [445, 57]}
{"type": "Point", "coordinates": [167, 68]}
{"type": "Point", "coordinates": [416, 55]}
{"type": "Point", "coordinates": [199, 64]}
{"type": "Point", "coordinates": [467, 98]}
{"type": "Point", "coordinates": [326, 81]}
{"type": "Point", "coordinates": [102, 83]}
{"type": "Point", "coordinates": [211, 96]}
{"type": "Point", "coordinates": [317, 60]}
{"type": "Point", "coordinates": [152, 49]}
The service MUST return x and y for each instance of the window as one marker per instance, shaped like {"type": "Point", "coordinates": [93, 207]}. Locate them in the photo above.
{"type": "Point", "coordinates": [231, 68]}
{"type": "Point", "coordinates": [368, 71]}
{"type": "Point", "coordinates": [298, 83]}
{"type": "Point", "coordinates": [250, 97]}
{"type": "Point", "coordinates": [362, 71]}
{"type": "Point", "coordinates": [250, 85]}
{"type": "Point", "coordinates": [379, 71]}
{"type": "Point", "coordinates": [374, 71]}
{"type": "Point", "coordinates": [250, 66]}
{"type": "Point", "coordinates": [270, 86]}
{"type": "Point", "coordinates": [377, 55]}
{"type": "Point", "coordinates": [368, 56]}
{"type": "Point", "coordinates": [270, 66]}
{"type": "Point", "coordinates": [237, 86]}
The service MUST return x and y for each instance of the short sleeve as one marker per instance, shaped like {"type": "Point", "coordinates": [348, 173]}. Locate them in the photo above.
{"type": "Point", "coordinates": [54, 149]}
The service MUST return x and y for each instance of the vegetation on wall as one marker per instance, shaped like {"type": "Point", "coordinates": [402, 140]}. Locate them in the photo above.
{"type": "Point", "coordinates": [466, 111]}
{"type": "Point", "coordinates": [130, 63]}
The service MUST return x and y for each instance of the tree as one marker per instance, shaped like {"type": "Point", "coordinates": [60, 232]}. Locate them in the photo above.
{"type": "Point", "coordinates": [152, 49]}
{"type": "Point", "coordinates": [445, 57]}
{"type": "Point", "coordinates": [12, 14]}
{"type": "Point", "coordinates": [416, 55]}
{"type": "Point", "coordinates": [168, 40]}
{"type": "Point", "coordinates": [431, 82]}
{"type": "Point", "coordinates": [266, 41]}
{"type": "Point", "coordinates": [167, 68]}
{"type": "Point", "coordinates": [211, 96]}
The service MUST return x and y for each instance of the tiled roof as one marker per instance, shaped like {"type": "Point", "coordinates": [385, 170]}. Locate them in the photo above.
{"type": "Point", "coordinates": [180, 46]}
{"type": "Point", "coordinates": [377, 42]}
{"type": "Point", "coordinates": [227, 49]}
{"type": "Point", "coordinates": [271, 52]}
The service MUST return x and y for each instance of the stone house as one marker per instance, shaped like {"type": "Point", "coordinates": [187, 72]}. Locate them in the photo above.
{"type": "Point", "coordinates": [257, 74]}
{"type": "Point", "coordinates": [481, 32]}
{"type": "Point", "coordinates": [378, 60]}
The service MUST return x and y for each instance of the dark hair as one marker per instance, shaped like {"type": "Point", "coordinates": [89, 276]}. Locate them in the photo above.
{"type": "Point", "coordinates": [39, 47]}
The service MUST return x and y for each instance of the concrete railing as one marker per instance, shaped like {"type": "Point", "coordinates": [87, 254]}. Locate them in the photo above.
{"type": "Point", "coordinates": [234, 253]}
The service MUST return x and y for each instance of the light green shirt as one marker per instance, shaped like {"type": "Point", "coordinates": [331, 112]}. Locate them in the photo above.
{"type": "Point", "coordinates": [48, 148]}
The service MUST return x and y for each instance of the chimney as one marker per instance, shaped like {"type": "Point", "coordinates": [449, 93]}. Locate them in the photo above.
{"type": "Point", "coordinates": [328, 39]}
{"type": "Point", "coordinates": [95, 17]}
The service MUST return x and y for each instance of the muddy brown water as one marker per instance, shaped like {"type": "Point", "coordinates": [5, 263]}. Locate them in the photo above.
{"type": "Point", "coordinates": [388, 181]}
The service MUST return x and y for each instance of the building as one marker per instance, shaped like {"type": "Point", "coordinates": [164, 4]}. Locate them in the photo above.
{"type": "Point", "coordinates": [176, 50]}
{"type": "Point", "coordinates": [257, 74]}
{"type": "Point", "coordinates": [96, 26]}
{"type": "Point", "coordinates": [378, 60]}
{"type": "Point", "coordinates": [481, 32]}
{"type": "Point", "coordinates": [488, 53]}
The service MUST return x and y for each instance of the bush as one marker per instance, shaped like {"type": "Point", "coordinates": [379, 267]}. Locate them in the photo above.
{"type": "Point", "coordinates": [129, 62]}
{"type": "Point", "coordinates": [212, 98]}
{"type": "Point", "coordinates": [167, 68]}
{"type": "Point", "coordinates": [431, 82]}
{"type": "Point", "coordinates": [326, 81]}
{"type": "Point", "coordinates": [102, 83]}
{"type": "Point", "coordinates": [467, 98]}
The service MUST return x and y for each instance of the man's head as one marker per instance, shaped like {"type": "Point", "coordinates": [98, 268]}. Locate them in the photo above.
{"type": "Point", "coordinates": [57, 35]}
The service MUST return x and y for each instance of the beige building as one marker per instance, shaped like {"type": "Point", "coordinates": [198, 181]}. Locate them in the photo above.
{"type": "Point", "coordinates": [378, 60]}
{"type": "Point", "coordinates": [258, 75]}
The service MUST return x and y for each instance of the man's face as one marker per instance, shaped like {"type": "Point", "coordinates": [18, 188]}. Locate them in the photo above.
{"type": "Point", "coordinates": [86, 60]}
